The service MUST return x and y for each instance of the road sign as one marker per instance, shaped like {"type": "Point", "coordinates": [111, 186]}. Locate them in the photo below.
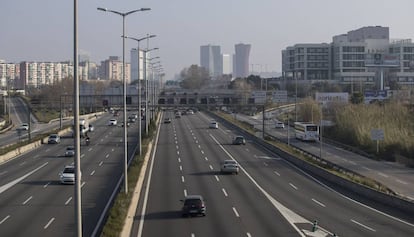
{"type": "Point", "coordinates": [279, 96]}
{"type": "Point", "coordinates": [377, 134]}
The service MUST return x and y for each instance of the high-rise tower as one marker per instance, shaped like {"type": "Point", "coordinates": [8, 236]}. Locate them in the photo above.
{"type": "Point", "coordinates": [241, 60]}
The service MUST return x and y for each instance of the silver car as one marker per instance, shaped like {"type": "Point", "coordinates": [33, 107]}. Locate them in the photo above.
{"type": "Point", "coordinates": [67, 176]}
{"type": "Point", "coordinates": [229, 166]}
{"type": "Point", "coordinates": [53, 139]}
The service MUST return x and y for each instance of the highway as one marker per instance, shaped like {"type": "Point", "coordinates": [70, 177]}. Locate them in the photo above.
{"type": "Point", "coordinates": [269, 197]}
{"type": "Point", "coordinates": [393, 175]}
{"type": "Point", "coordinates": [19, 115]}
{"type": "Point", "coordinates": [34, 203]}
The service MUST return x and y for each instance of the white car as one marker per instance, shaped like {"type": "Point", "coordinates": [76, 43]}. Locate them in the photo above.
{"type": "Point", "coordinates": [67, 176]}
{"type": "Point", "coordinates": [214, 125]}
{"type": "Point", "coordinates": [279, 124]}
{"type": "Point", "coordinates": [229, 166]}
{"type": "Point", "coordinates": [112, 122]}
{"type": "Point", "coordinates": [23, 127]}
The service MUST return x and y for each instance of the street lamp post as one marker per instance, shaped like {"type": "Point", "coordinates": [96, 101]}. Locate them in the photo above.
{"type": "Point", "coordinates": [124, 14]}
{"type": "Point", "coordinates": [78, 192]}
{"type": "Point", "coordinates": [152, 85]}
{"type": "Point", "coordinates": [146, 87]}
{"type": "Point", "coordinates": [156, 83]}
{"type": "Point", "coordinates": [139, 91]}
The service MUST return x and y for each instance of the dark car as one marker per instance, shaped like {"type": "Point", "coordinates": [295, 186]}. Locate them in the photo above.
{"type": "Point", "coordinates": [239, 140]}
{"type": "Point", "coordinates": [193, 205]}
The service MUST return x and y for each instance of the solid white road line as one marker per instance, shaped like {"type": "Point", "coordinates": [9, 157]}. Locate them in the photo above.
{"type": "Point", "coordinates": [68, 201]}
{"type": "Point", "coordinates": [383, 175]}
{"type": "Point", "coordinates": [27, 200]}
{"type": "Point", "coordinates": [293, 186]}
{"type": "Point", "coordinates": [319, 203]}
{"type": "Point", "coordinates": [47, 184]}
{"type": "Point", "coordinates": [235, 212]}
{"type": "Point", "coordinates": [401, 182]}
{"type": "Point", "coordinates": [14, 182]}
{"type": "Point", "coordinates": [362, 225]}
{"type": "Point", "coordinates": [49, 223]}
{"type": "Point", "coordinates": [4, 219]}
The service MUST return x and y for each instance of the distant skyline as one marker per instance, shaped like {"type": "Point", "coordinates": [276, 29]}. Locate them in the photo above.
{"type": "Point", "coordinates": [43, 30]}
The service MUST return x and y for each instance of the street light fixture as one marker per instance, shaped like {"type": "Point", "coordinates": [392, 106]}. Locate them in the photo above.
{"type": "Point", "coordinates": [146, 87]}
{"type": "Point", "coordinates": [124, 14]}
{"type": "Point", "coordinates": [139, 90]}
{"type": "Point", "coordinates": [157, 69]}
{"type": "Point", "coordinates": [152, 85]}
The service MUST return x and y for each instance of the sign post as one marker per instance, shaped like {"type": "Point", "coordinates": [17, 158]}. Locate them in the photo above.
{"type": "Point", "coordinates": [377, 135]}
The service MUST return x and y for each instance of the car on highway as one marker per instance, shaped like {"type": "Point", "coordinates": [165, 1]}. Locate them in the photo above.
{"type": "Point", "coordinates": [177, 115]}
{"type": "Point", "coordinates": [229, 166]}
{"type": "Point", "coordinates": [279, 124]}
{"type": "Point", "coordinates": [112, 122]}
{"type": "Point", "coordinates": [67, 176]}
{"type": "Point", "coordinates": [23, 127]}
{"type": "Point", "coordinates": [53, 139]}
{"type": "Point", "coordinates": [193, 205]}
{"type": "Point", "coordinates": [213, 124]}
{"type": "Point", "coordinates": [122, 124]}
{"type": "Point", "coordinates": [132, 118]}
{"type": "Point", "coordinates": [167, 120]}
{"type": "Point", "coordinates": [190, 111]}
{"type": "Point", "coordinates": [239, 140]}
{"type": "Point", "coordinates": [70, 151]}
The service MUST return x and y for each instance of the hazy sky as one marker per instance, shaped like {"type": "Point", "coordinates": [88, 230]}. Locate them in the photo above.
{"type": "Point", "coordinates": [42, 30]}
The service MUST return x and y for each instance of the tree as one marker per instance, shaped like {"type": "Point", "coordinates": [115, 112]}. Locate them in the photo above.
{"type": "Point", "coordinates": [194, 77]}
{"type": "Point", "coordinates": [357, 98]}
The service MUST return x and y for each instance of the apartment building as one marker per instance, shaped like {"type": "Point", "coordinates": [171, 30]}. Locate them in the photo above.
{"type": "Point", "coordinates": [354, 51]}
{"type": "Point", "coordinates": [241, 60]}
{"type": "Point", "coordinates": [307, 62]}
{"type": "Point", "coordinates": [403, 51]}
{"type": "Point", "coordinates": [361, 56]}
{"type": "Point", "coordinates": [8, 73]}
{"type": "Point", "coordinates": [111, 69]}
{"type": "Point", "coordinates": [211, 59]}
